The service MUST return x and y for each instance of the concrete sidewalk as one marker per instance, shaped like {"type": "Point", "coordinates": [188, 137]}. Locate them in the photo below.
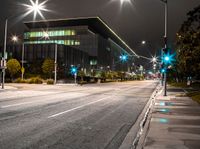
{"type": "Point", "coordinates": [174, 123]}
{"type": "Point", "coordinates": [7, 87]}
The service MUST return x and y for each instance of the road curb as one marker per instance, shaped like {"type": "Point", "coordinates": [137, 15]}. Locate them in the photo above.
{"type": "Point", "coordinates": [132, 139]}
{"type": "Point", "coordinates": [142, 138]}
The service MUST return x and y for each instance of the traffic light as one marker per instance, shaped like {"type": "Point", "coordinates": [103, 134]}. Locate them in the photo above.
{"type": "Point", "coordinates": [165, 51]}
{"type": "Point", "coordinates": [167, 58]}
{"type": "Point", "coordinates": [123, 58]}
{"type": "Point", "coordinates": [73, 70]}
{"type": "Point", "coordinates": [162, 68]}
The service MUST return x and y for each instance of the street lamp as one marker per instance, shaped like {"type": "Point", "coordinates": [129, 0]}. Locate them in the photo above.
{"type": "Point", "coordinates": [154, 59]}
{"type": "Point", "coordinates": [34, 7]}
{"type": "Point", "coordinates": [125, 1]}
{"type": "Point", "coordinates": [143, 42]}
{"type": "Point", "coordinates": [14, 38]}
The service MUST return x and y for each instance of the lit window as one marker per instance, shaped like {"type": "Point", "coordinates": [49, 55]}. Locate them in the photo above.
{"type": "Point", "coordinates": [73, 32]}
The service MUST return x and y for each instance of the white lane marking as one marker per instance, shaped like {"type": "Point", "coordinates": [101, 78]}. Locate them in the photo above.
{"type": "Point", "coordinates": [14, 105]}
{"type": "Point", "coordinates": [36, 101]}
{"type": "Point", "coordinates": [79, 107]}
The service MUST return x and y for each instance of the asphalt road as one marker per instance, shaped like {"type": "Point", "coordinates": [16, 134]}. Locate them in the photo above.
{"type": "Point", "coordinates": [71, 117]}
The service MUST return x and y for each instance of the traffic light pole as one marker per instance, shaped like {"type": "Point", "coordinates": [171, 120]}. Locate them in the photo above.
{"type": "Point", "coordinates": [165, 38]}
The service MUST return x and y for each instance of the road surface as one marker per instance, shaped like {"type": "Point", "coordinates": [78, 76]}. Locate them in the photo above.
{"type": "Point", "coordinates": [96, 116]}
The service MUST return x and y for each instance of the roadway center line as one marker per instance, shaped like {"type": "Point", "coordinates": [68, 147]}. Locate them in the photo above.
{"type": "Point", "coordinates": [79, 107]}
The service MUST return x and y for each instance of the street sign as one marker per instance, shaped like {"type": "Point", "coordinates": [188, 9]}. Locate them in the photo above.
{"type": "Point", "coordinates": [23, 70]}
{"type": "Point", "coordinates": [141, 68]}
{"type": "Point", "coordinates": [6, 55]}
{"type": "Point", "coordinates": [3, 64]}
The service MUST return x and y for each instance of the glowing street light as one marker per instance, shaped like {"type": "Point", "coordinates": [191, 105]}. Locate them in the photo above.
{"type": "Point", "coordinates": [14, 38]}
{"type": "Point", "coordinates": [154, 59]}
{"type": "Point", "coordinates": [124, 1]}
{"type": "Point", "coordinates": [36, 8]}
{"type": "Point", "coordinates": [143, 42]}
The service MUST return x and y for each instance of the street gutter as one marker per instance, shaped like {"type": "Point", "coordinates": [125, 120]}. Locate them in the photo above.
{"type": "Point", "coordinates": [132, 139]}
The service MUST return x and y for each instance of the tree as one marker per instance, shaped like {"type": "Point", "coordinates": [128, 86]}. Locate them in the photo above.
{"type": "Point", "coordinates": [48, 67]}
{"type": "Point", "coordinates": [103, 76]}
{"type": "Point", "coordinates": [188, 46]}
{"type": "Point", "coordinates": [81, 74]}
{"type": "Point", "coordinates": [13, 67]}
{"type": "Point", "coordinates": [121, 75]}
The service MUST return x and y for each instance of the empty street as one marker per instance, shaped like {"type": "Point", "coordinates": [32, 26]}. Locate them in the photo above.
{"type": "Point", "coordinates": [96, 116]}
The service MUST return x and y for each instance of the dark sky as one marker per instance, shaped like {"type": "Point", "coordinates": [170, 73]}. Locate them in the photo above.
{"type": "Point", "coordinates": [143, 20]}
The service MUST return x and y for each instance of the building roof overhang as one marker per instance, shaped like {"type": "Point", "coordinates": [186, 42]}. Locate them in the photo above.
{"type": "Point", "coordinates": [95, 24]}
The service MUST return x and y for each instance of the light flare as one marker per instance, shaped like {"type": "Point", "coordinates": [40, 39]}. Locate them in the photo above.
{"type": "Point", "coordinates": [36, 8]}
{"type": "Point", "coordinates": [14, 38]}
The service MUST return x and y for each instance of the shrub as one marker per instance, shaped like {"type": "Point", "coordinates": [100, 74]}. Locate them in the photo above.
{"type": "Point", "coordinates": [50, 81]}
{"type": "Point", "coordinates": [35, 80]}
{"type": "Point", "coordinates": [19, 80]}
{"type": "Point", "coordinates": [13, 67]}
{"type": "Point", "coordinates": [48, 67]}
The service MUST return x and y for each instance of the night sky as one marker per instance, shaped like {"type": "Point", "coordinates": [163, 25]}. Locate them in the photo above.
{"type": "Point", "coordinates": [143, 20]}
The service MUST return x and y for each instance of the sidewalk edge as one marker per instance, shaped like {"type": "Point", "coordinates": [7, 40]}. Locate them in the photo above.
{"type": "Point", "coordinates": [132, 138]}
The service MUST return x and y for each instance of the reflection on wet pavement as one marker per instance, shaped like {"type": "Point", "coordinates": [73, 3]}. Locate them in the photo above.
{"type": "Point", "coordinates": [178, 111]}
{"type": "Point", "coordinates": [160, 120]}
{"type": "Point", "coordinates": [177, 121]}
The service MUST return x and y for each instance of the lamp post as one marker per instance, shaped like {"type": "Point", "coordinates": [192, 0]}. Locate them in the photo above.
{"type": "Point", "coordinates": [35, 8]}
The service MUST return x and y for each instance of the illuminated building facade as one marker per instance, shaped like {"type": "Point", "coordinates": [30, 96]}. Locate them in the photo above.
{"type": "Point", "coordinates": [84, 42]}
